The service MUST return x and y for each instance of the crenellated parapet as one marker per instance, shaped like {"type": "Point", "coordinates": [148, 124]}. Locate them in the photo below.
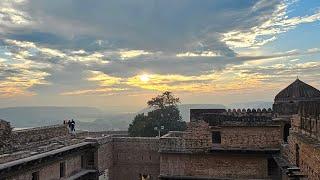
{"type": "Point", "coordinates": [306, 125]}
{"type": "Point", "coordinates": [234, 117]}
{"type": "Point", "coordinates": [311, 109]}
{"type": "Point", "coordinates": [249, 112]}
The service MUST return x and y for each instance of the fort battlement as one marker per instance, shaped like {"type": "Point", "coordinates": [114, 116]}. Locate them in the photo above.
{"type": "Point", "coordinates": [307, 125]}
{"type": "Point", "coordinates": [253, 111]}
{"type": "Point", "coordinates": [235, 117]}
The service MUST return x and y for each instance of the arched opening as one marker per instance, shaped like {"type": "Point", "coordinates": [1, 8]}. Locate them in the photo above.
{"type": "Point", "coordinates": [286, 131]}
{"type": "Point", "coordinates": [297, 155]}
{"type": "Point", "coordinates": [273, 169]}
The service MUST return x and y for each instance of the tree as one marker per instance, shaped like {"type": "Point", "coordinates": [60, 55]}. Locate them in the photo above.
{"type": "Point", "coordinates": [164, 113]}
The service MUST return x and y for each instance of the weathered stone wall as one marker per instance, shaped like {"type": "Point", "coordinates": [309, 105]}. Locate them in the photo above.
{"type": "Point", "coordinates": [302, 149]}
{"type": "Point", "coordinates": [105, 154]}
{"type": "Point", "coordinates": [198, 137]}
{"type": "Point", "coordinates": [213, 165]}
{"type": "Point", "coordinates": [135, 156]}
{"type": "Point", "coordinates": [5, 135]}
{"type": "Point", "coordinates": [308, 154]}
{"type": "Point", "coordinates": [39, 133]}
{"type": "Point", "coordinates": [250, 137]}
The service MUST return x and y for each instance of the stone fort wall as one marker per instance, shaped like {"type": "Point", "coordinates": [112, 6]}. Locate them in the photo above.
{"type": "Point", "coordinates": [39, 133]}
{"type": "Point", "coordinates": [134, 156]}
{"type": "Point", "coordinates": [308, 155]}
{"type": "Point", "coordinates": [26, 139]}
{"type": "Point", "coordinates": [303, 150]}
{"type": "Point", "coordinates": [250, 137]}
{"type": "Point", "coordinates": [213, 165]}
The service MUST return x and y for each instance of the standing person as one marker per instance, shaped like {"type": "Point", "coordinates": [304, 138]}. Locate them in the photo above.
{"type": "Point", "coordinates": [69, 125]}
{"type": "Point", "coordinates": [73, 124]}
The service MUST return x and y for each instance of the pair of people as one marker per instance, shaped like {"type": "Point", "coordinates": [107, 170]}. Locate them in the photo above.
{"type": "Point", "coordinates": [71, 125]}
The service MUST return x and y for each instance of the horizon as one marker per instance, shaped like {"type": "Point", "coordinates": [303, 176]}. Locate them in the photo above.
{"type": "Point", "coordinates": [116, 109]}
{"type": "Point", "coordinates": [121, 54]}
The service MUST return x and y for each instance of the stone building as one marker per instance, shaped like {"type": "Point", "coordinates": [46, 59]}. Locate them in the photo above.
{"type": "Point", "coordinates": [278, 143]}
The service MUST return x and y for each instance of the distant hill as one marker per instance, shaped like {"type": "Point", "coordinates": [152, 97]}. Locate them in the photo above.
{"type": "Point", "coordinates": [108, 122]}
{"type": "Point", "coordinates": [45, 115]}
{"type": "Point", "coordinates": [87, 118]}
{"type": "Point", "coordinates": [253, 104]}
{"type": "Point", "coordinates": [185, 109]}
{"type": "Point", "coordinates": [94, 119]}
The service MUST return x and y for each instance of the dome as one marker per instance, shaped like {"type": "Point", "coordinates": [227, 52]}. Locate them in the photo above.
{"type": "Point", "coordinates": [298, 91]}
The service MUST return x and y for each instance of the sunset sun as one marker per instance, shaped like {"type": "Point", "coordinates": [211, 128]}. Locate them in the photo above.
{"type": "Point", "coordinates": [144, 77]}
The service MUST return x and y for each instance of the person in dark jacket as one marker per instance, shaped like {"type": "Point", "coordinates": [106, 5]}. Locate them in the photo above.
{"type": "Point", "coordinates": [73, 124]}
{"type": "Point", "coordinates": [69, 125]}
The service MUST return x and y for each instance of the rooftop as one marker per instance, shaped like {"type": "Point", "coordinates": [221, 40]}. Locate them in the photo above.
{"type": "Point", "coordinates": [298, 91]}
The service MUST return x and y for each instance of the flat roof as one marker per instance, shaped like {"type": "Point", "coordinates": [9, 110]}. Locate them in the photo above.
{"type": "Point", "coordinates": [42, 155]}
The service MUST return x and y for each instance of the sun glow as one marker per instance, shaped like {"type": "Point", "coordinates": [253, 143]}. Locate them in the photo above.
{"type": "Point", "coordinates": [144, 77]}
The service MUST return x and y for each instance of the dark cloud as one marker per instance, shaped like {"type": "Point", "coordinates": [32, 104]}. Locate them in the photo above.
{"type": "Point", "coordinates": [153, 25]}
{"type": "Point", "coordinates": [38, 37]}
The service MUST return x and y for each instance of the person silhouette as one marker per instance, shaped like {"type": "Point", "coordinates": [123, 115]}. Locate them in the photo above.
{"type": "Point", "coordinates": [73, 125]}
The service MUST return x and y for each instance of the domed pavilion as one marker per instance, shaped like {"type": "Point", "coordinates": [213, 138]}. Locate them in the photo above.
{"type": "Point", "coordinates": [298, 97]}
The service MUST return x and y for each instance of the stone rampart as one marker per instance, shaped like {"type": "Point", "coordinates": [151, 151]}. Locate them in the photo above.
{"type": "Point", "coordinates": [39, 133]}
{"type": "Point", "coordinates": [235, 117]}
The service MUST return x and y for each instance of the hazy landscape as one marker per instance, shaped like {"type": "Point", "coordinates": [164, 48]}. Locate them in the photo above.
{"type": "Point", "coordinates": [94, 119]}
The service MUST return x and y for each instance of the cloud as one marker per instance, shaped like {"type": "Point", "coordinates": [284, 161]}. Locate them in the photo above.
{"type": "Point", "coordinates": [280, 73]}
{"type": "Point", "coordinates": [52, 55]}
{"type": "Point", "coordinates": [17, 78]}
{"type": "Point", "coordinates": [277, 23]}
{"type": "Point", "coordinates": [147, 25]}
{"type": "Point", "coordinates": [103, 79]}
{"type": "Point", "coordinates": [97, 91]}
{"type": "Point", "coordinates": [11, 16]}
{"type": "Point", "coordinates": [53, 47]}
{"type": "Point", "coordinates": [200, 54]}
{"type": "Point", "coordinates": [127, 54]}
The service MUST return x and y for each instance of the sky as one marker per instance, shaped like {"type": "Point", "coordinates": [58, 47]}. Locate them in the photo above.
{"type": "Point", "coordinates": [119, 53]}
